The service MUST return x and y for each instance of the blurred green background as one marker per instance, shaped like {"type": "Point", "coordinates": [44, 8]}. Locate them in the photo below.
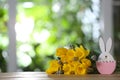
{"type": "Point", "coordinates": [44, 25]}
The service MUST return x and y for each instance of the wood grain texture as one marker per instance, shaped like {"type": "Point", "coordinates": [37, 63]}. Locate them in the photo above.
{"type": "Point", "coordinates": [44, 76]}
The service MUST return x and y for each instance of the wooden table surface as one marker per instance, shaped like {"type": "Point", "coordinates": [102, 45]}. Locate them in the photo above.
{"type": "Point", "coordinates": [44, 76]}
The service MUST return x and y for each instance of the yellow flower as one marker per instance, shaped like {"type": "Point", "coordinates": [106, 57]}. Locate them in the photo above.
{"type": "Point", "coordinates": [81, 52]}
{"type": "Point", "coordinates": [86, 52]}
{"type": "Point", "coordinates": [70, 67]}
{"type": "Point", "coordinates": [61, 52]}
{"type": "Point", "coordinates": [50, 70]}
{"type": "Point", "coordinates": [80, 70]}
{"type": "Point", "coordinates": [70, 55]}
{"type": "Point", "coordinates": [86, 62]}
{"type": "Point", "coordinates": [74, 63]}
{"type": "Point", "coordinates": [66, 68]}
{"type": "Point", "coordinates": [64, 59]}
{"type": "Point", "coordinates": [54, 66]}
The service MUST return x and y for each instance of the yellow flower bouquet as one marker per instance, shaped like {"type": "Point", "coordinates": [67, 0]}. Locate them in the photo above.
{"type": "Point", "coordinates": [70, 61]}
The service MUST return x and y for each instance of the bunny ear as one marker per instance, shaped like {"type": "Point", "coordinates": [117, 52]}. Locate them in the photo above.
{"type": "Point", "coordinates": [101, 44]}
{"type": "Point", "coordinates": [108, 45]}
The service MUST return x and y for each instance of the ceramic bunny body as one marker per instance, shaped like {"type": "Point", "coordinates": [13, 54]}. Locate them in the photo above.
{"type": "Point", "coordinates": [105, 50]}
{"type": "Point", "coordinates": [106, 63]}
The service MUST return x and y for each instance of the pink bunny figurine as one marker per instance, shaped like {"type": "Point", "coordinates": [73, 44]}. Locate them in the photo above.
{"type": "Point", "coordinates": [106, 63]}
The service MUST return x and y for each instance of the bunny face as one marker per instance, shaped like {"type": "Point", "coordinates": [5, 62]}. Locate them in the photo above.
{"type": "Point", "coordinates": [105, 55]}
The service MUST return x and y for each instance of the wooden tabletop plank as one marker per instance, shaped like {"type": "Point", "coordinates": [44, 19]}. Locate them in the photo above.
{"type": "Point", "coordinates": [44, 76]}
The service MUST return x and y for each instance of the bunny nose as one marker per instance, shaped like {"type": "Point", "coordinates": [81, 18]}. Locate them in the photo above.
{"type": "Point", "coordinates": [105, 56]}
